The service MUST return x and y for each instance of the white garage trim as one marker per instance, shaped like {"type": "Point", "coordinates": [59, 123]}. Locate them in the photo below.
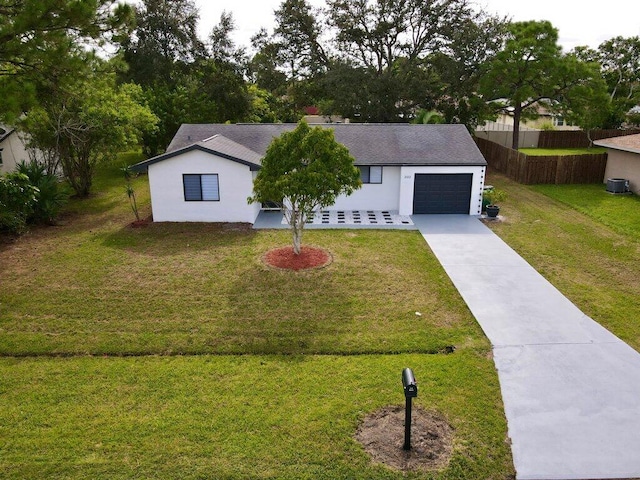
{"type": "Point", "coordinates": [408, 180]}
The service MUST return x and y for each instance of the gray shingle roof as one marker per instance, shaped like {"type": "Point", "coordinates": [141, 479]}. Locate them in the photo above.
{"type": "Point", "coordinates": [370, 144]}
{"type": "Point", "coordinates": [5, 132]}
{"type": "Point", "coordinates": [221, 144]}
{"type": "Point", "coordinates": [216, 145]}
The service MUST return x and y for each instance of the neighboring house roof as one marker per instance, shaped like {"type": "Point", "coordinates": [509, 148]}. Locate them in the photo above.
{"type": "Point", "coordinates": [626, 143]}
{"type": "Point", "coordinates": [369, 144]}
{"type": "Point", "coordinates": [5, 132]}
{"type": "Point", "coordinates": [215, 145]}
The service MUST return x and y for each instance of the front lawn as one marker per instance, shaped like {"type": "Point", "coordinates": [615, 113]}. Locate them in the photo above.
{"type": "Point", "coordinates": [172, 351]}
{"type": "Point", "coordinates": [585, 241]}
{"type": "Point", "coordinates": [201, 288]}
{"type": "Point", "coordinates": [236, 417]}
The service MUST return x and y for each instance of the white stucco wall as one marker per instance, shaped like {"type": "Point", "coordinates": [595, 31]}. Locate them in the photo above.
{"type": "Point", "coordinates": [624, 165]}
{"type": "Point", "coordinates": [408, 178]}
{"type": "Point", "coordinates": [374, 196]}
{"type": "Point", "coordinates": [167, 192]}
{"type": "Point", "coordinates": [13, 152]}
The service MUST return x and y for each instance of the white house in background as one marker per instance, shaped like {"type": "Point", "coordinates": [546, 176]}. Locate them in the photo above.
{"type": "Point", "coordinates": [207, 172]}
{"type": "Point", "coordinates": [12, 150]}
{"type": "Point", "coordinates": [623, 159]}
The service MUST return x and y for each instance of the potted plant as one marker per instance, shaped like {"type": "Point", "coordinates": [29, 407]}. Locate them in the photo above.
{"type": "Point", "coordinates": [492, 197]}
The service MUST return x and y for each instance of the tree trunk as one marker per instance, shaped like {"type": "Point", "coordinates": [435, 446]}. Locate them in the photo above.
{"type": "Point", "coordinates": [297, 221]}
{"type": "Point", "coordinates": [297, 224]}
{"type": "Point", "coordinates": [517, 113]}
{"type": "Point", "coordinates": [297, 240]}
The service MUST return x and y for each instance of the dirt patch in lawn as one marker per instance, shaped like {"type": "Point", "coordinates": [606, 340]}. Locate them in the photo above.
{"type": "Point", "coordinates": [143, 222]}
{"type": "Point", "coordinates": [382, 436]}
{"type": "Point", "coordinates": [309, 257]}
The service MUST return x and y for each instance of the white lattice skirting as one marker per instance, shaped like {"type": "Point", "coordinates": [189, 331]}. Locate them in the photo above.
{"type": "Point", "coordinates": [357, 217]}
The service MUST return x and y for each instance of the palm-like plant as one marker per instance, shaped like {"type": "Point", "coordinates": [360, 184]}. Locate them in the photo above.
{"type": "Point", "coordinates": [131, 193]}
{"type": "Point", "coordinates": [51, 197]}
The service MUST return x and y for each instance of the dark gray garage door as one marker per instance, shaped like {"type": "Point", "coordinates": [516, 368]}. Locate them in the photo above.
{"type": "Point", "coordinates": [442, 193]}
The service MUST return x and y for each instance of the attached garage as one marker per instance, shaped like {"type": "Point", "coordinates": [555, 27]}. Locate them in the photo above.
{"type": "Point", "coordinates": [446, 193]}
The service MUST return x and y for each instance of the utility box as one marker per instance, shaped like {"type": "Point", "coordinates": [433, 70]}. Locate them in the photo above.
{"type": "Point", "coordinates": [617, 185]}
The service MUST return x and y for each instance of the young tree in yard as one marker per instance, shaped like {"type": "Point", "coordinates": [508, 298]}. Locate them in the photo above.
{"type": "Point", "coordinates": [304, 170]}
{"type": "Point", "coordinates": [531, 68]}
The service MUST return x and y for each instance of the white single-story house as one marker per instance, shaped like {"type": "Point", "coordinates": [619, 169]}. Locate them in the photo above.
{"type": "Point", "coordinates": [12, 150]}
{"type": "Point", "coordinates": [207, 171]}
{"type": "Point", "coordinates": [623, 159]}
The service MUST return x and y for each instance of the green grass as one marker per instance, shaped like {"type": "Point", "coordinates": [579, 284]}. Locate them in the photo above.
{"type": "Point", "coordinates": [235, 417]}
{"type": "Point", "coordinates": [97, 286]}
{"type": "Point", "coordinates": [236, 370]}
{"type": "Point", "coordinates": [174, 288]}
{"type": "Point", "coordinates": [537, 152]}
{"type": "Point", "coordinates": [585, 241]}
{"type": "Point", "coordinates": [620, 212]}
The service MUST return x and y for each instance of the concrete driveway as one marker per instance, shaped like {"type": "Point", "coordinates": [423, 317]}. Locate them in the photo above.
{"type": "Point", "coordinates": [571, 389]}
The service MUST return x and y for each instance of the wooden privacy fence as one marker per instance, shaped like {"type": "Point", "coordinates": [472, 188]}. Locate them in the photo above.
{"type": "Point", "coordinates": [557, 169]}
{"type": "Point", "coordinates": [576, 138]}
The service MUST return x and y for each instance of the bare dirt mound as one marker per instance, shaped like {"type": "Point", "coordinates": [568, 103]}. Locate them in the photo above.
{"type": "Point", "coordinates": [309, 257]}
{"type": "Point", "coordinates": [382, 436]}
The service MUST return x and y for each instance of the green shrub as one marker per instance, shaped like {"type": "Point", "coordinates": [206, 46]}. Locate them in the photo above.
{"type": "Point", "coordinates": [18, 198]}
{"type": "Point", "coordinates": [52, 196]}
{"type": "Point", "coordinates": [494, 196]}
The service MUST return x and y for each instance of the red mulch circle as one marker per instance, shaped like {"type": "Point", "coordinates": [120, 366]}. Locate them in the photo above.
{"type": "Point", "coordinates": [309, 257]}
{"type": "Point", "coordinates": [143, 222]}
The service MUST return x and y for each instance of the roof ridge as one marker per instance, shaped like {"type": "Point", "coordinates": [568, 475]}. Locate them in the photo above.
{"type": "Point", "coordinates": [212, 137]}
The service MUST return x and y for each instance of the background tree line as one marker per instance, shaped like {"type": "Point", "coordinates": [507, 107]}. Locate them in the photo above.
{"type": "Point", "coordinates": [87, 79]}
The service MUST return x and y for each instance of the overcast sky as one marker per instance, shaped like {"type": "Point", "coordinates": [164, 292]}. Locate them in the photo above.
{"type": "Point", "coordinates": [580, 22]}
